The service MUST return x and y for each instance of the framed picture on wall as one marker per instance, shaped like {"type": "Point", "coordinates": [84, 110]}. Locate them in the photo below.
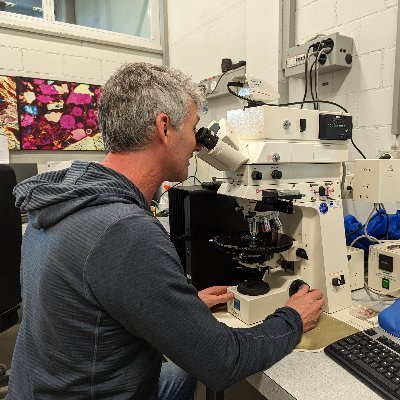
{"type": "Point", "coordinates": [57, 115]}
{"type": "Point", "coordinates": [9, 112]}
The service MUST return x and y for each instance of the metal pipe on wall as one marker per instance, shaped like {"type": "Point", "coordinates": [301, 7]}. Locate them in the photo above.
{"type": "Point", "coordinates": [287, 40]}
{"type": "Point", "coordinates": [396, 89]}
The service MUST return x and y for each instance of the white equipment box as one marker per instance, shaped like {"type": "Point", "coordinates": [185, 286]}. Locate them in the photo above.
{"type": "Point", "coordinates": [339, 58]}
{"type": "Point", "coordinates": [384, 267]}
{"type": "Point", "coordinates": [376, 180]}
{"type": "Point", "coordinates": [356, 267]}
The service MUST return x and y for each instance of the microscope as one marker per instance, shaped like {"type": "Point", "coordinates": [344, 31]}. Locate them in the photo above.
{"type": "Point", "coordinates": [283, 167]}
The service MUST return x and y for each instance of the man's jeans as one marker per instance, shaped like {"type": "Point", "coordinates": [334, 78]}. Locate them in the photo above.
{"type": "Point", "coordinates": [174, 383]}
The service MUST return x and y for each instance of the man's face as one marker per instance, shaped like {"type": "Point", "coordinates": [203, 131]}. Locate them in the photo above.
{"type": "Point", "coordinates": [182, 146]}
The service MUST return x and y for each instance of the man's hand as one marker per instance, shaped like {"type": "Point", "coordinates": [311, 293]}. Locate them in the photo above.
{"type": "Point", "coordinates": [215, 295]}
{"type": "Point", "coordinates": [308, 304]}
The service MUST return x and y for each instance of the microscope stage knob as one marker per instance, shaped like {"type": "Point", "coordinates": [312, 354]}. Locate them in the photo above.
{"type": "Point", "coordinates": [256, 175]}
{"type": "Point", "coordinates": [276, 174]}
{"type": "Point", "coordinates": [253, 287]}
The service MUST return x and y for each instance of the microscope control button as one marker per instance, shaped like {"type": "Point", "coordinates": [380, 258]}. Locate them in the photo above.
{"type": "Point", "coordinates": [276, 174]}
{"type": "Point", "coordinates": [301, 253]}
{"type": "Point", "coordinates": [338, 281]}
{"type": "Point", "coordinates": [256, 175]}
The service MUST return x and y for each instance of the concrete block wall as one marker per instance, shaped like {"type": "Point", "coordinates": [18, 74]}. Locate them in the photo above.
{"type": "Point", "coordinates": [367, 89]}
{"type": "Point", "coordinates": [32, 54]}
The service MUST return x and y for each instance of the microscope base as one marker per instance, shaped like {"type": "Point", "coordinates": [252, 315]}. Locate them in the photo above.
{"type": "Point", "coordinates": [254, 309]}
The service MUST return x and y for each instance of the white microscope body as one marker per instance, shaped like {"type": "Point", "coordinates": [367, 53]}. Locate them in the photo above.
{"type": "Point", "coordinates": [294, 152]}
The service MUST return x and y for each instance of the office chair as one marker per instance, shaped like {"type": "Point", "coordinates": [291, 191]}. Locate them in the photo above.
{"type": "Point", "coordinates": [10, 250]}
{"type": "Point", "coordinates": [10, 257]}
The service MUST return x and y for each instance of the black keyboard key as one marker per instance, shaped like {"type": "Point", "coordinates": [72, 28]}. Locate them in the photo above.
{"type": "Point", "coordinates": [372, 360]}
{"type": "Point", "coordinates": [371, 373]}
{"type": "Point", "coordinates": [351, 357]}
{"type": "Point", "coordinates": [396, 380]}
{"type": "Point", "coordinates": [389, 375]}
{"type": "Point", "coordinates": [336, 346]}
{"type": "Point", "coordinates": [373, 365]}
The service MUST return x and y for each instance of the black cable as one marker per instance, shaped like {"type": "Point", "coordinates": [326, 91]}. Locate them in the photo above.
{"type": "Point", "coordinates": [195, 171]}
{"type": "Point", "coordinates": [218, 81]}
{"type": "Point", "coordinates": [320, 47]}
{"type": "Point", "coordinates": [176, 184]}
{"type": "Point", "coordinates": [362, 154]}
{"type": "Point", "coordinates": [306, 76]}
{"type": "Point", "coordinates": [311, 85]}
{"type": "Point", "coordinates": [261, 103]}
{"type": "Point", "coordinates": [387, 221]}
{"type": "Point", "coordinates": [387, 226]}
{"type": "Point", "coordinates": [307, 102]}
{"type": "Point", "coordinates": [316, 81]}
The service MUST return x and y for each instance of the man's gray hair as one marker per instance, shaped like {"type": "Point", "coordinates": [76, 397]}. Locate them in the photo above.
{"type": "Point", "coordinates": [133, 97]}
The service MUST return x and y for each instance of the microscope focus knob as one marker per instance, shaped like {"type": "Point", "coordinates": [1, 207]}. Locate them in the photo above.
{"type": "Point", "coordinates": [276, 174]}
{"type": "Point", "coordinates": [296, 285]}
{"type": "Point", "coordinates": [256, 175]}
{"type": "Point", "coordinates": [338, 281]}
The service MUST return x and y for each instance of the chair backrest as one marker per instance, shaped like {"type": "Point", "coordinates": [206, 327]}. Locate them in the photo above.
{"type": "Point", "coordinates": [10, 250]}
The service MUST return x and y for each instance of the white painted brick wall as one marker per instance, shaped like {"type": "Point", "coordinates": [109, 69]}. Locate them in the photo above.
{"type": "Point", "coordinates": [31, 54]}
{"type": "Point", "coordinates": [40, 55]}
{"type": "Point", "coordinates": [378, 31]}
{"type": "Point", "coordinates": [108, 68]}
{"type": "Point", "coordinates": [355, 9]}
{"type": "Point", "coordinates": [82, 68]}
{"type": "Point", "coordinates": [375, 108]}
{"type": "Point", "coordinates": [385, 138]}
{"type": "Point", "coordinates": [390, 3]}
{"type": "Point", "coordinates": [11, 58]}
{"type": "Point", "coordinates": [198, 42]}
{"type": "Point", "coordinates": [388, 66]}
{"type": "Point", "coordinates": [42, 63]}
{"type": "Point", "coordinates": [310, 22]}
{"type": "Point", "coordinates": [365, 74]}
{"type": "Point", "coordinates": [367, 89]}
{"type": "Point", "coordinates": [302, 3]}
{"type": "Point", "coordinates": [364, 138]}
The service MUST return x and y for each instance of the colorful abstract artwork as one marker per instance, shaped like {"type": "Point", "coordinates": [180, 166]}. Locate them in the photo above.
{"type": "Point", "coordinates": [55, 115]}
{"type": "Point", "coordinates": [9, 112]}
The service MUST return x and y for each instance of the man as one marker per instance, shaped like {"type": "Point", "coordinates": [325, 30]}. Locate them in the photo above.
{"type": "Point", "coordinates": [104, 295]}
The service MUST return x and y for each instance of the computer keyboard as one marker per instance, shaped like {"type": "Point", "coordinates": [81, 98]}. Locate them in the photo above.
{"type": "Point", "coordinates": [372, 356]}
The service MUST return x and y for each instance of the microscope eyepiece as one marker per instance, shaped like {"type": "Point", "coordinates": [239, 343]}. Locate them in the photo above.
{"type": "Point", "coordinates": [206, 138]}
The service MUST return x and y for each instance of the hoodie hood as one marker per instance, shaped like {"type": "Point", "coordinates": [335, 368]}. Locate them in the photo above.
{"type": "Point", "coordinates": [50, 197]}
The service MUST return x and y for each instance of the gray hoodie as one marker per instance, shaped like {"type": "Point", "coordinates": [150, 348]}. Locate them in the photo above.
{"type": "Point", "coordinates": [104, 296]}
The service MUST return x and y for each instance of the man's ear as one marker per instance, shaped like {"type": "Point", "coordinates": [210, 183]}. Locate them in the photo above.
{"type": "Point", "coordinates": [162, 127]}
